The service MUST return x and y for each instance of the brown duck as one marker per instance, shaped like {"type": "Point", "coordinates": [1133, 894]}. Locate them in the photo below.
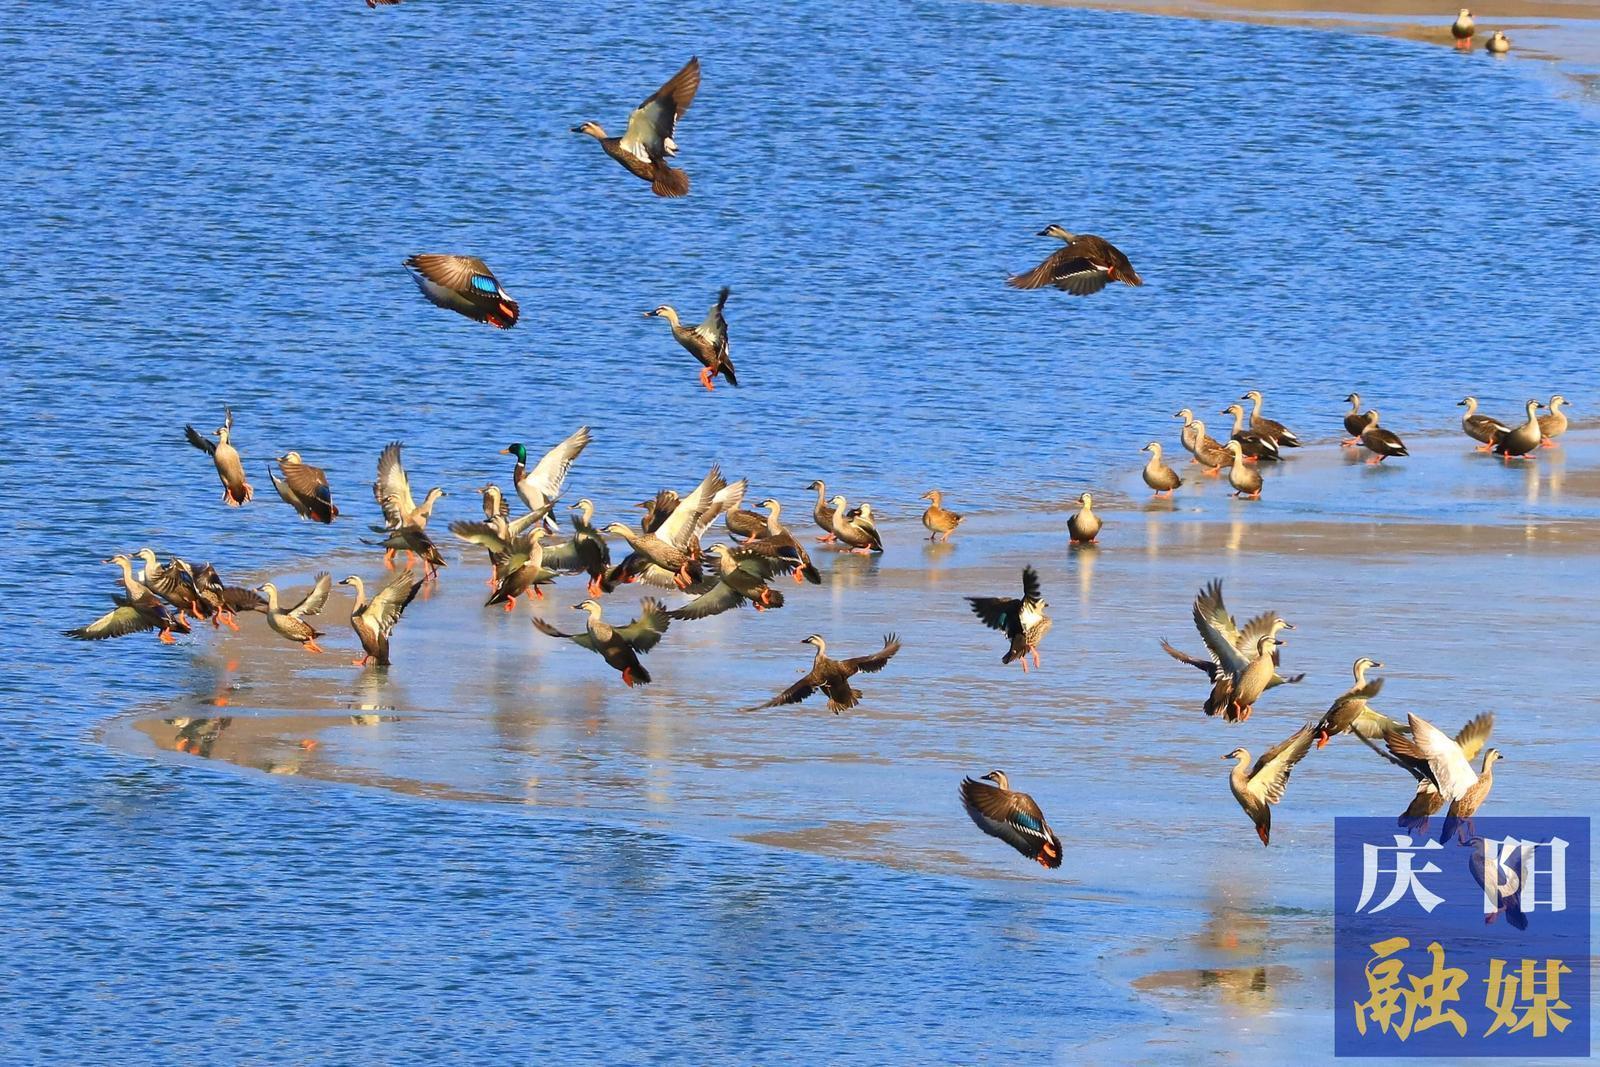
{"type": "Point", "coordinates": [832, 676]}
{"type": "Point", "coordinates": [1013, 817]}
{"type": "Point", "coordinates": [707, 342]}
{"type": "Point", "coordinates": [1085, 265]}
{"type": "Point", "coordinates": [647, 144]}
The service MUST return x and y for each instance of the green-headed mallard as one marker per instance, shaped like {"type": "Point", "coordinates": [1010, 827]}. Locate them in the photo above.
{"type": "Point", "coordinates": [1426, 802]}
{"type": "Point", "coordinates": [304, 488]}
{"type": "Point", "coordinates": [1554, 424]}
{"type": "Point", "coordinates": [1254, 445]}
{"type": "Point", "coordinates": [392, 491]}
{"type": "Point", "coordinates": [1350, 712]}
{"type": "Point", "coordinates": [290, 623]}
{"type": "Point", "coordinates": [1481, 428]}
{"type": "Point", "coordinates": [1084, 266]}
{"type": "Point", "coordinates": [1380, 442]}
{"type": "Point", "coordinates": [706, 341]}
{"type": "Point", "coordinates": [374, 620]}
{"type": "Point", "coordinates": [1245, 482]}
{"type": "Point", "coordinates": [780, 543]}
{"type": "Point", "coordinates": [1354, 420]}
{"type": "Point", "coordinates": [1463, 29]}
{"type": "Point", "coordinates": [1499, 44]}
{"type": "Point", "coordinates": [1232, 651]}
{"type": "Point", "coordinates": [1280, 434]}
{"type": "Point", "coordinates": [619, 646]}
{"type": "Point", "coordinates": [860, 532]}
{"type": "Point", "coordinates": [1428, 753]}
{"type": "Point", "coordinates": [832, 676]}
{"type": "Point", "coordinates": [230, 471]}
{"type": "Point", "coordinates": [540, 487]}
{"type": "Point", "coordinates": [136, 611]}
{"type": "Point", "coordinates": [585, 552]}
{"type": "Point", "coordinates": [1023, 620]}
{"type": "Point", "coordinates": [1156, 474]}
{"type": "Point", "coordinates": [1083, 525]}
{"type": "Point", "coordinates": [741, 576]}
{"type": "Point", "coordinates": [1013, 817]}
{"type": "Point", "coordinates": [647, 144]}
{"type": "Point", "coordinates": [465, 285]}
{"type": "Point", "coordinates": [939, 522]}
{"type": "Point", "coordinates": [1259, 787]}
{"type": "Point", "coordinates": [1523, 439]}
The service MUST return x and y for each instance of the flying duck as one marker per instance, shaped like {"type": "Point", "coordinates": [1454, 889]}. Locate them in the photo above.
{"type": "Point", "coordinates": [647, 144]}
{"type": "Point", "coordinates": [1231, 650]}
{"type": "Point", "coordinates": [230, 471]}
{"type": "Point", "coordinates": [1350, 712]}
{"type": "Point", "coordinates": [290, 622]}
{"type": "Point", "coordinates": [707, 342]}
{"type": "Point", "coordinates": [586, 551]}
{"type": "Point", "coordinates": [136, 611]}
{"type": "Point", "coordinates": [304, 488]}
{"type": "Point", "coordinates": [1013, 817]}
{"type": "Point", "coordinates": [619, 646]}
{"type": "Point", "coordinates": [1085, 265]}
{"type": "Point", "coordinates": [1023, 620]}
{"type": "Point", "coordinates": [465, 285]}
{"type": "Point", "coordinates": [1426, 802]}
{"type": "Point", "coordinates": [374, 620]}
{"type": "Point", "coordinates": [781, 543]}
{"type": "Point", "coordinates": [1427, 753]}
{"type": "Point", "coordinates": [1263, 785]}
{"type": "Point", "coordinates": [741, 576]}
{"type": "Point", "coordinates": [540, 487]}
{"type": "Point", "coordinates": [832, 676]}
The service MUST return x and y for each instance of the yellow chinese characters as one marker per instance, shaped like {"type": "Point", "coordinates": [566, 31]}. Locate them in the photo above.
{"type": "Point", "coordinates": [1420, 1004]}
{"type": "Point", "coordinates": [1538, 995]}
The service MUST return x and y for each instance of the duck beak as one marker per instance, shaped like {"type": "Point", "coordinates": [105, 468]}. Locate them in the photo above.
{"type": "Point", "coordinates": [505, 451]}
{"type": "Point", "coordinates": [1376, 664]}
{"type": "Point", "coordinates": [1288, 626]}
{"type": "Point", "coordinates": [577, 129]}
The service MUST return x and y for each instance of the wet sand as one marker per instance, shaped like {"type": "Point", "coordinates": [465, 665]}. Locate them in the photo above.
{"type": "Point", "coordinates": [1470, 578]}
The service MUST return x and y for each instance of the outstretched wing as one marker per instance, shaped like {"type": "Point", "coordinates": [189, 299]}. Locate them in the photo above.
{"type": "Point", "coordinates": [1440, 757]}
{"type": "Point", "coordinates": [679, 528]}
{"type": "Point", "coordinates": [204, 444]}
{"type": "Point", "coordinates": [714, 330]}
{"type": "Point", "coordinates": [551, 471]}
{"type": "Point", "coordinates": [1206, 665]}
{"type": "Point", "coordinates": [644, 632]}
{"type": "Point", "coordinates": [1031, 590]}
{"type": "Point", "coordinates": [875, 662]}
{"type": "Point", "coordinates": [651, 126]}
{"type": "Point", "coordinates": [1472, 736]}
{"type": "Point", "coordinates": [392, 490]}
{"type": "Point", "coordinates": [120, 621]}
{"type": "Point", "coordinates": [1217, 628]}
{"type": "Point", "coordinates": [583, 639]}
{"type": "Point", "coordinates": [997, 612]}
{"type": "Point", "coordinates": [793, 695]}
{"type": "Point", "coordinates": [464, 274]}
{"type": "Point", "coordinates": [719, 598]}
{"type": "Point", "coordinates": [313, 601]}
{"type": "Point", "coordinates": [392, 599]}
{"type": "Point", "coordinates": [1270, 776]}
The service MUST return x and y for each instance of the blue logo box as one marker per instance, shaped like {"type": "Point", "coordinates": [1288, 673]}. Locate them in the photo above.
{"type": "Point", "coordinates": [1469, 940]}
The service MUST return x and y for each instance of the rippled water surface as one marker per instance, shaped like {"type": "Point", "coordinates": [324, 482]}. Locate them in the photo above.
{"type": "Point", "coordinates": [209, 204]}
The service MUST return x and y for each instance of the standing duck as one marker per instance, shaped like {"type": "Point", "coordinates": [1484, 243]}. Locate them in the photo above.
{"type": "Point", "coordinates": [1280, 434]}
{"type": "Point", "coordinates": [392, 491]}
{"type": "Point", "coordinates": [1013, 817]}
{"type": "Point", "coordinates": [1254, 445]}
{"type": "Point", "coordinates": [1554, 424]}
{"type": "Point", "coordinates": [1523, 439]}
{"type": "Point", "coordinates": [136, 611]}
{"type": "Point", "coordinates": [860, 532]}
{"type": "Point", "coordinates": [1023, 621]}
{"type": "Point", "coordinates": [1355, 420]}
{"type": "Point", "coordinates": [780, 543]}
{"type": "Point", "coordinates": [540, 487]}
{"type": "Point", "coordinates": [1263, 785]}
{"type": "Point", "coordinates": [832, 676]}
{"type": "Point", "coordinates": [465, 285]}
{"type": "Point", "coordinates": [374, 620]}
{"type": "Point", "coordinates": [304, 488]}
{"type": "Point", "coordinates": [619, 646]}
{"type": "Point", "coordinates": [1499, 44]}
{"type": "Point", "coordinates": [1231, 649]}
{"type": "Point", "coordinates": [1463, 28]}
{"type": "Point", "coordinates": [1427, 753]}
{"type": "Point", "coordinates": [822, 512]}
{"type": "Point", "coordinates": [707, 342]}
{"type": "Point", "coordinates": [290, 622]}
{"type": "Point", "coordinates": [1426, 802]}
{"type": "Point", "coordinates": [1083, 526]}
{"type": "Point", "coordinates": [1245, 482]}
{"type": "Point", "coordinates": [1207, 451]}
{"type": "Point", "coordinates": [742, 575]}
{"type": "Point", "coordinates": [1157, 475]}
{"type": "Point", "coordinates": [1086, 265]}
{"type": "Point", "coordinates": [647, 144]}
{"type": "Point", "coordinates": [230, 471]}
{"type": "Point", "coordinates": [1350, 712]}
{"type": "Point", "coordinates": [1480, 428]}
{"type": "Point", "coordinates": [939, 522]}
{"type": "Point", "coordinates": [1380, 442]}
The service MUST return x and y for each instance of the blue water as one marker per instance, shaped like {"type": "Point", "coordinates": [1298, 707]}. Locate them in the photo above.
{"type": "Point", "coordinates": [209, 204]}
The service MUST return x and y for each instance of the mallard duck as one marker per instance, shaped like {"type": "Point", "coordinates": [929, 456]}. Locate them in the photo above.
{"type": "Point", "coordinates": [465, 285]}
{"type": "Point", "coordinates": [290, 623]}
{"type": "Point", "coordinates": [1426, 802]}
{"type": "Point", "coordinates": [1523, 439]}
{"type": "Point", "coordinates": [675, 546]}
{"type": "Point", "coordinates": [1232, 651]}
{"type": "Point", "coordinates": [822, 513]}
{"type": "Point", "coordinates": [540, 487]}
{"type": "Point", "coordinates": [1157, 475]}
{"type": "Point", "coordinates": [1083, 525]}
{"type": "Point", "coordinates": [1280, 434]}
{"type": "Point", "coordinates": [1554, 424]}
{"type": "Point", "coordinates": [1350, 712]}
{"type": "Point", "coordinates": [1380, 442]}
{"type": "Point", "coordinates": [1023, 620]}
{"type": "Point", "coordinates": [586, 551]}
{"type": "Point", "coordinates": [1084, 266]}
{"type": "Point", "coordinates": [136, 611]}
{"type": "Point", "coordinates": [832, 676]}
{"type": "Point", "coordinates": [859, 532]}
{"type": "Point", "coordinates": [374, 620]}
{"type": "Point", "coordinates": [236, 492]}
{"type": "Point", "coordinates": [1263, 785]}
{"type": "Point", "coordinates": [1245, 482]}
{"type": "Point", "coordinates": [1013, 817]}
{"type": "Point", "coordinates": [647, 144]}
{"type": "Point", "coordinates": [1427, 753]}
{"type": "Point", "coordinates": [707, 341]}
{"type": "Point", "coordinates": [1480, 428]}
{"type": "Point", "coordinates": [619, 646]}
{"type": "Point", "coordinates": [392, 491]}
{"type": "Point", "coordinates": [519, 577]}
{"type": "Point", "coordinates": [1463, 28]}
{"type": "Point", "coordinates": [742, 575]}
{"type": "Point", "coordinates": [1254, 445]}
{"type": "Point", "coordinates": [304, 488]}
{"type": "Point", "coordinates": [1499, 44]}
{"type": "Point", "coordinates": [780, 543]}
{"type": "Point", "coordinates": [939, 522]}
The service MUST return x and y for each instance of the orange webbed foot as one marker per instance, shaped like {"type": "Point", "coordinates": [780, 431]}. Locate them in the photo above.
{"type": "Point", "coordinates": [167, 638]}
{"type": "Point", "coordinates": [312, 646]}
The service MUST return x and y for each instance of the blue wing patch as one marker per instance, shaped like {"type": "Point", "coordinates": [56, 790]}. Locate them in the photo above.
{"type": "Point", "coordinates": [1029, 821]}
{"type": "Point", "coordinates": [484, 285]}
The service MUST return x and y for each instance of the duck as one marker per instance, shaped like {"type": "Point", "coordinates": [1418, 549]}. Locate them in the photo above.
{"type": "Point", "coordinates": [1554, 424]}
{"type": "Point", "coordinates": [586, 551]}
{"type": "Point", "coordinates": [779, 542]}
{"type": "Point", "coordinates": [822, 512]}
{"type": "Point", "coordinates": [465, 285]}
{"type": "Point", "coordinates": [1380, 442]}
{"type": "Point", "coordinates": [167, 582]}
{"type": "Point", "coordinates": [1086, 265]}
{"type": "Point", "coordinates": [1523, 439]}
{"type": "Point", "coordinates": [832, 676]}
{"type": "Point", "coordinates": [707, 341]}
{"type": "Point", "coordinates": [619, 646]}
{"type": "Point", "coordinates": [1463, 28]}
{"type": "Point", "coordinates": [860, 532]}
{"type": "Point", "coordinates": [236, 492]}
{"type": "Point", "coordinates": [939, 523]}
{"type": "Point", "coordinates": [507, 544]}
{"type": "Point", "coordinates": [304, 488]}
{"type": "Point", "coordinates": [1023, 620]}
{"type": "Point", "coordinates": [1207, 451]}
{"type": "Point", "coordinates": [530, 573]}
{"type": "Point", "coordinates": [1013, 817]}
{"type": "Point", "coordinates": [1350, 712]}
{"type": "Point", "coordinates": [1280, 434]}
{"type": "Point", "coordinates": [416, 544]}
{"type": "Point", "coordinates": [1157, 475]}
{"type": "Point", "coordinates": [742, 524]}
{"type": "Point", "coordinates": [392, 491]}
{"type": "Point", "coordinates": [1258, 787]}
{"type": "Point", "coordinates": [1355, 420]}
{"type": "Point", "coordinates": [1499, 44]}
{"type": "Point", "coordinates": [656, 510]}
{"type": "Point", "coordinates": [1427, 801]}
{"type": "Point", "coordinates": [741, 577]}
{"type": "Point", "coordinates": [647, 144]}
{"type": "Point", "coordinates": [1083, 525]}
{"type": "Point", "coordinates": [215, 601]}
{"type": "Point", "coordinates": [1428, 753]}
{"type": "Point", "coordinates": [1255, 446]}
{"type": "Point", "coordinates": [1480, 428]}
{"type": "Point", "coordinates": [374, 620]}
{"type": "Point", "coordinates": [137, 611]}
{"type": "Point", "coordinates": [540, 488]}
{"type": "Point", "coordinates": [1245, 482]}
{"type": "Point", "coordinates": [290, 623]}
{"type": "Point", "coordinates": [674, 547]}
{"type": "Point", "coordinates": [1231, 649]}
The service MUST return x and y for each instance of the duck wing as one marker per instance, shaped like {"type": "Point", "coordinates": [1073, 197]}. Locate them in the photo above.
{"type": "Point", "coordinates": [548, 476]}
{"type": "Point", "coordinates": [875, 662]}
{"type": "Point", "coordinates": [582, 639]}
{"type": "Point", "coordinates": [997, 612]}
{"type": "Point", "coordinates": [645, 632]}
{"type": "Point", "coordinates": [719, 598]}
{"type": "Point", "coordinates": [1270, 775]}
{"type": "Point", "coordinates": [793, 695]}
{"type": "Point", "coordinates": [648, 137]}
{"type": "Point", "coordinates": [392, 490]}
{"type": "Point", "coordinates": [1217, 629]}
{"type": "Point", "coordinates": [313, 602]}
{"type": "Point", "coordinates": [679, 528]}
{"type": "Point", "coordinates": [1472, 736]}
{"type": "Point", "coordinates": [204, 444]}
{"type": "Point", "coordinates": [1014, 818]}
{"type": "Point", "coordinates": [120, 621]}
{"type": "Point", "coordinates": [462, 274]}
{"type": "Point", "coordinates": [386, 606]}
{"type": "Point", "coordinates": [1435, 755]}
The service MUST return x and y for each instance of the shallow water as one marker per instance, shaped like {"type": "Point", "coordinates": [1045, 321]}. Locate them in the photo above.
{"type": "Point", "coordinates": [211, 207]}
